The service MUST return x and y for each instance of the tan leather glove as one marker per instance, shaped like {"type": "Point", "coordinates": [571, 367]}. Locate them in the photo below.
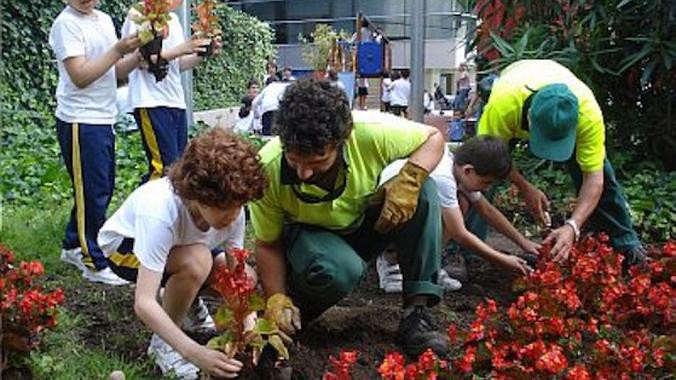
{"type": "Point", "coordinates": [281, 310]}
{"type": "Point", "coordinates": [401, 197]}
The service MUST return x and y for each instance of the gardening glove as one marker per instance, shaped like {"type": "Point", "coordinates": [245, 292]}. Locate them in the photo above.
{"type": "Point", "coordinates": [281, 310]}
{"type": "Point", "coordinates": [401, 197]}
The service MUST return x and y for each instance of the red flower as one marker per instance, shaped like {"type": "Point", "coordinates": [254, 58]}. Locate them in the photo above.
{"type": "Point", "coordinates": [669, 249]}
{"type": "Point", "coordinates": [392, 367]}
{"type": "Point", "coordinates": [553, 361]}
{"type": "Point", "coordinates": [452, 332]}
{"type": "Point", "coordinates": [465, 363]}
{"type": "Point", "coordinates": [579, 372]}
{"type": "Point", "coordinates": [341, 366]}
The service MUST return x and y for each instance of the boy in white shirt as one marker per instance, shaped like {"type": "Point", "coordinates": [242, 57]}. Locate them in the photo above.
{"type": "Point", "coordinates": [90, 62]}
{"type": "Point", "coordinates": [166, 234]}
{"type": "Point", "coordinates": [460, 178]}
{"type": "Point", "coordinates": [400, 94]}
{"type": "Point", "coordinates": [159, 106]}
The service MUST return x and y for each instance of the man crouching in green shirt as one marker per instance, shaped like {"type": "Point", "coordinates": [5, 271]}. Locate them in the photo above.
{"type": "Point", "coordinates": [321, 219]}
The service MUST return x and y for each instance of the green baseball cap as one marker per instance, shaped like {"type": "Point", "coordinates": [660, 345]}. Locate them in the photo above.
{"type": "Point", "coordinates": [553, 121]}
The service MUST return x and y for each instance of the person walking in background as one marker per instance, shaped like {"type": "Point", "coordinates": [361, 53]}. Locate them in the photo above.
{"type": "Point", "coordinates": [362, 92]}
{"type": "Point", "coordinates": [159, 106]}
{"type": "Point", "coordinates": [400, 95]}
{"type": "Point", "coordinates": [271, 73]}
{"type": "Point", "coordinates": [287, 75]}
{"type": "Point", "coordinates": [90, 60]}
{"type": "Point", "coordinates": [463, 87]}
{"type": "Point", "coordinates": [386, 91]}
{"type": "Point", "coordinates": [252, 88]}
{"type": "Point", "coordinates": [266, 104]}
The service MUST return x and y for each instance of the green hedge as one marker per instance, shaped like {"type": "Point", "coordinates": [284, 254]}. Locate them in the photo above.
{"type": "Point", "coordinates": [32, 172]}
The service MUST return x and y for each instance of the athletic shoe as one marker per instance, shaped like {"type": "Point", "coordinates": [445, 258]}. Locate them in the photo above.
{"type": "Point", "coordinates": [447, 282]}
{"type": "Point", "coordinates": [73, 257]}
{"type": "Point", "coordinates": [170, 361]}
{"type": "Point", "coordinates": [391, 279]}
{"type": "Point", "coordinates": [417, 333]}
{"type": "Point", "coordinates": [105, 276]}
{"type": "Point", "coordinates": [198, 320]}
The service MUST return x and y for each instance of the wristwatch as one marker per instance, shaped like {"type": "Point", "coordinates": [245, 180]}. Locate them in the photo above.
{"type": "Point", "coordinates": [573, 224]}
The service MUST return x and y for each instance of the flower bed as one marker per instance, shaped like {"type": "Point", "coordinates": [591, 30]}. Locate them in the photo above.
{"type": "Point", "coordinates": [581, 320]}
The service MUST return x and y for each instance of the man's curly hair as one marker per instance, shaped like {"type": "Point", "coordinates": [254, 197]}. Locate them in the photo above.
{"type": "Point", "coordinates": [313, 114]}
{"type": "Point", "coordinates": [218, 169]}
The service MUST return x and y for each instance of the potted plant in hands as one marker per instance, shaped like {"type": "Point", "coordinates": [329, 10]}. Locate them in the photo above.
{"type": "Point", "coordinates": [153, 17]}
{"type": "Point", "coordinates": [207, 25]}
{"type": "Point", "coordinates": [236, 321]}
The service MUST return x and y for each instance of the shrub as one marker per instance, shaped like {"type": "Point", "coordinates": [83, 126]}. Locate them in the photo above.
{"type": "Point", "coordinates": [26, 310]}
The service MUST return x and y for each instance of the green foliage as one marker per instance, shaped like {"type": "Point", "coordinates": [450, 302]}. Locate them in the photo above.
{"type": "Point", "coordinates": [30, 159]}
{"type": "Point", "coordinates": [317, 49]}
{"type": "Point", "coordinates": [247, 45]}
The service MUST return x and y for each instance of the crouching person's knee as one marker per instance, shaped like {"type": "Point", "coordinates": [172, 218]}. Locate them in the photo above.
{"type": "Point", "coordinates": [191, 262]}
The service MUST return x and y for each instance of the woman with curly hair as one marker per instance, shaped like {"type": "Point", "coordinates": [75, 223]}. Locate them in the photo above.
{"type": "Point", "coordinates": [169, 232]}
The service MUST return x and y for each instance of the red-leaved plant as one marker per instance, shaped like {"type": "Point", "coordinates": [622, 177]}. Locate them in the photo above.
{"type": "Point", "coordinates": [207, 24]}
{"type": "Point", "coordinates": [341, 366]}
{"type": "Point", "coordinates": [240, 300]}
{"type": "Point", "coordinates": [580, 320]}
{"type": "Point", "coordinates": [25, 308]}
{"type": "Point", "coordinates": [152, 16]}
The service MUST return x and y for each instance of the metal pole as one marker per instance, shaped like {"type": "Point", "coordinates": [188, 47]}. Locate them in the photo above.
{"type": "Point", "coordinates": [417, 60]}
{"type": "Point", "coordinates": [183, 13]}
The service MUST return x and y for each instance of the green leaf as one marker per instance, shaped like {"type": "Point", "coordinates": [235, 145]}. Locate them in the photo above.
{"type": "Point", "coordinates": [256, 302]}
{"type": "Point", "coordinates": [276, 342]}
{"type": "Point", "coordinates": [219, 342]}
{"type": "Point", "coordinates": [264, 326]}
{"type": "Point", "coordinates": [223, 316]}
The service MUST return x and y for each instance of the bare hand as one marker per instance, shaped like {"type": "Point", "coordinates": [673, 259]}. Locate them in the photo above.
{"type": "Point", "coordinates": [530, 247]}
{"type": "Point", "coordinates": [537, 203]}
{"type": "Point", "coordinates": [127, 44]}
{"type": "Point", "coordinates": [515, 264]}
{"type": "Point", "coordinates": [216, 363]}
{"type": "Point", "coordinates": [195, 45]}
{"type": "Point", "coordinates": [563, 239]}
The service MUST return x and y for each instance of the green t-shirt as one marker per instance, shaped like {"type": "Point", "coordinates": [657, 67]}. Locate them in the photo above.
{"type": "Point", "coordinates": [502, 115]}
{"type": "Point", "coordinates": [376, 140]}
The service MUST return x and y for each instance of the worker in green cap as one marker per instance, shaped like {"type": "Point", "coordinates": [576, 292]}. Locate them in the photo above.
{"type": "Point", "coordinates": [543, 102]}
{"type": "Point", "coordinates": [323, 216]}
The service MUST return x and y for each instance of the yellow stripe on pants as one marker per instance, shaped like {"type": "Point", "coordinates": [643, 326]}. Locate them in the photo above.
{"type": "Point", "coordinates": [127, 260]}
{"type": "Point", "coordinates": [151, 141]}
{"type": "Point", "coordinates": [79, 194]}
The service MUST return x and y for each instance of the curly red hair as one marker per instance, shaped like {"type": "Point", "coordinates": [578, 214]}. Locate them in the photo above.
{"type": "Point", "coordinates": [218, 169]}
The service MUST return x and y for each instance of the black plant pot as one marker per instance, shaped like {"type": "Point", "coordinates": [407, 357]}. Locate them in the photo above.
{"type": "Point", "coordinates": [153, 47]}
{"type": "Point", "coordinates": [209, 50]}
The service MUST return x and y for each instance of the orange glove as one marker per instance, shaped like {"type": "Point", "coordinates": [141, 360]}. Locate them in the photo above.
{"type": "Point", "coordinates": [281, 310]}
{"type": "Point", "coordinates": [401, 197]}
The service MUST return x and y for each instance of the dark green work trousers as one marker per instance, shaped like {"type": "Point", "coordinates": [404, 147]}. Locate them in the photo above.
{"type": "Point", "coordinates": [324, 266]}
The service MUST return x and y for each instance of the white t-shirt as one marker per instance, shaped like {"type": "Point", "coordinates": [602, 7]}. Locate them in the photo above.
{"type": "Point", "coordinates": [387, 89]}
{"type": "Point", "coordinates": [158, 220]}
{"type": "Point", "coordinates": [74, 34]}
{"type": "Point", "coordinates": [144, 90]}
{"type": "Point", "coordinates": [443, 177]}
{"type": "Point", "coordinates": [401, 92]}
{"type": "Point", "coordinates": [268, 99]}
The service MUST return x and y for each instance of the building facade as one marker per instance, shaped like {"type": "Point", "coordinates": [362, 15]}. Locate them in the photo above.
{"type": "Point", "coordinates": [447, 29]}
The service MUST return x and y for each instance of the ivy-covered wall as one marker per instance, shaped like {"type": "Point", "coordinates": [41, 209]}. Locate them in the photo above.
{"type": "Point", "coordinates": [30, 165]}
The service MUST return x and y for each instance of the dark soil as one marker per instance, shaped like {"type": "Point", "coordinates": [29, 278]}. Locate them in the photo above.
{"type": "Point", "coordinates": [365, 321]}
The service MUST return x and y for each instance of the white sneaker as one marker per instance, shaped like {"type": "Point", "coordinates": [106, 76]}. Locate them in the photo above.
{"type": "Point", "coordinates": [106, 276]}
{"type": "Point", "coordinates": [391, 279]}
{"type": "Point", "coordinates": [448, 282]}
{"type": "Point", "coordinates": [198, 320]}
{"type": "Point", "coordinates": [170, 361]}
{"type": "Point", "coordinates": [73, 257]}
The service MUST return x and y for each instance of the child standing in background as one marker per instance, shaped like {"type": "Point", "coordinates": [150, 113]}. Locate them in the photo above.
{"type": "Point", "coordinates": [90, 61]}
{"type": "Point", "coordinates": [159, 107]}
